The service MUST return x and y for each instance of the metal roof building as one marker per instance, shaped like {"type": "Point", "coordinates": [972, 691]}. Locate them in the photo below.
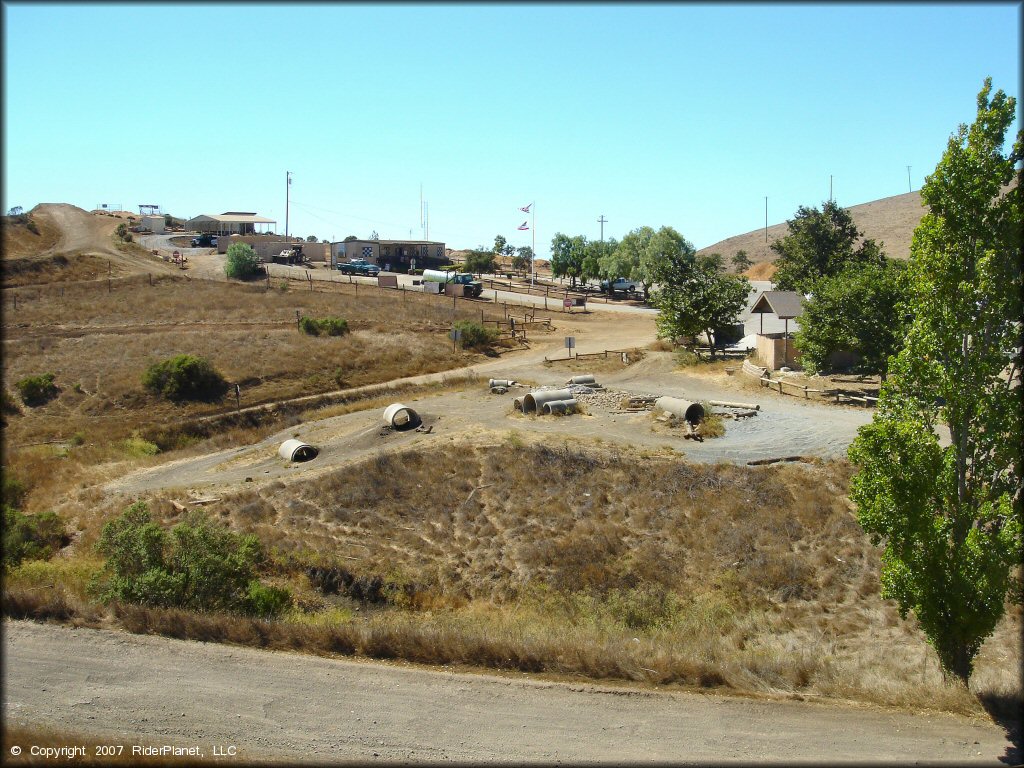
{"type": "Point", "coordinates": [230, 223]}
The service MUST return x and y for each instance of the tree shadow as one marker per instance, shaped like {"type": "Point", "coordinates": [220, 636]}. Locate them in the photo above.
{"type": "Point", "coordinates": [1007, 711]}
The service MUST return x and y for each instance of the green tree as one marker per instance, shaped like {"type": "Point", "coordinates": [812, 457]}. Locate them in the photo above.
{"type": "Point", "coordinates": [741, 262]}
{"type": "Point", "coordinates": [626, 256]}
{"type": "Point", "coordinates": [479, 262]}
{"type": "Point", "coordinates": [860, 310]}
{"type": "Point", "coordinates": [499, 245]}
{"type": "Point", "coordinates": [521, 261]}
{"type": "Point", "coordinates": [693, 296]}
{"type": "Point", "coordinates": [567, 255]}
{"type": "Point", "coordinates": [374, 236]}
{"type": "Point", "coordinates": [199, 565]}
{"type": "Point", "coordinates": [241, 262]}
{"type": "Point", "coordinates": [820, 243]}
{"type": "Point", "coordinates": [950, 517]}
{"type": "Point", "coordinates": [185, 377]}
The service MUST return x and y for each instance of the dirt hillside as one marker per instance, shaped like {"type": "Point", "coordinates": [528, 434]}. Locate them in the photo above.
{"type": "Point", "coordinates": [60, 242]}
{"type": "Point", "coordinates": [890, 221]}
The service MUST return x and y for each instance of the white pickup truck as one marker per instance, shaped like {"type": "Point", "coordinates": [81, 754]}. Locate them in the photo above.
{"type": "Point", "coordinates": [620, 285]}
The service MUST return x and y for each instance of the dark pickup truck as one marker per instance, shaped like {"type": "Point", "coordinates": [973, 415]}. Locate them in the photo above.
{"type": "Point", "coordinates": [204, 241]}
{"type": "Point", "coordinates": [358, 267]}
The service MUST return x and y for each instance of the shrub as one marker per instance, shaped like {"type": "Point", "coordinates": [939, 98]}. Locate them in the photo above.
{"type": "Point", "coordinates": [475, 335]}
{"type": "Point", "coordinates": [185, 377]}
{"type": "Point", "coordinates": [31, 537]}
{"type": "Point", "coordinates": [13, 490]}
{"type": "Point", "coordinates": [199, 565]}
{"type": "Point", "coordinates": [122, 233]}
{"type": "Point", "coordinates": [325, 326]}
{"type": "Point", "coordinates": [242, 262]}
{"type": "Point", "coordinates": [36, 390]}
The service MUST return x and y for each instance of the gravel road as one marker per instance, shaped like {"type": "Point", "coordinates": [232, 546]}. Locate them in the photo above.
{"type": "Point", "coordinates": [273, 705]}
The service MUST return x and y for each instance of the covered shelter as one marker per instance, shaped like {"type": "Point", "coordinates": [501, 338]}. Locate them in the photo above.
{"type": "Point", "coordinates": [785, 305]}
{"type": "Point", "coordinates": [230, 223]}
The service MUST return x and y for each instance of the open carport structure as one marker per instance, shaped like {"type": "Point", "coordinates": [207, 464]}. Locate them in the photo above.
{"type": "Point", "coordinates": [230, 223]}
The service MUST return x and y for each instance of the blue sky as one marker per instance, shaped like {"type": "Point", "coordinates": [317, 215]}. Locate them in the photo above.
{"type": "Point", "coordinates": [664, 114]}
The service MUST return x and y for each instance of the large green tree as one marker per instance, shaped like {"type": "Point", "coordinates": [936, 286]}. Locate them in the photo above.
{"type": "Point", "coordinates": [860, 310]}
{"type": "Point", "coordinates": [950, 515]}
{"type": "Point", "coordinates": [567, 255]}
{"type": "Point", "coordinates": [820, 243]}
{"type": "Point", "coordinates": [694, 296]}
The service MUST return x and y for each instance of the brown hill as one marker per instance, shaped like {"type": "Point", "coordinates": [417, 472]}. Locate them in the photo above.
{"type": "Point", "coordinates": [890, 222]}
{"type": "Point", "coordinates": [60, 242]}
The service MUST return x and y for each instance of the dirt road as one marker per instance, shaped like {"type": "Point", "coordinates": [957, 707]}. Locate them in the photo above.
{"type": "Point", "coordinates": [285, 706]}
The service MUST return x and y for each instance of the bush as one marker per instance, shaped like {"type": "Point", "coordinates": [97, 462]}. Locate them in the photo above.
{"type": "Point", "coordinates": [242, 262]}
{"type": "Point", "coordinates": [325, 326]}
{"type": "Point", "coordinates": [185, 377]}
{"type": "Point", "coordinates": [475, 335]}
{"type": "Point", "coordinates": [199, 565]}
{"type": "Point", "coordinates": [36, 390]}
{"type": "Point", "coordinates": [31, 537]}
{"type": "Point", "coordinates": [122, 233]}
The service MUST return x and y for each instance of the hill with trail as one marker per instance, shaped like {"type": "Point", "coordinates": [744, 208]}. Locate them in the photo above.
{"type": "Point", "coordinates": [58, 242]}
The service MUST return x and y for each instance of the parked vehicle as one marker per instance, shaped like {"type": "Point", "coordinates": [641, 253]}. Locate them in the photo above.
{"type": "Point", "coordinates": [204, 240]}
{"type": "Point", "coordinates": [358, 267]}
{"type": "Point", "coordinates": [473, 287]}
{"type": "Point", "coordinates": [620, 285]}
{"type": "Point", "coordinates": [291, 255]}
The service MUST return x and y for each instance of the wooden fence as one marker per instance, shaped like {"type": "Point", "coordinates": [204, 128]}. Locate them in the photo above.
{"type": "Point", "coordinates": [761, 374]}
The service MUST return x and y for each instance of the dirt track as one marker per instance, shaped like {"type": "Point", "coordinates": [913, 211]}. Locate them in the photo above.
{"type": "Point", "coordinates": [288, 707]}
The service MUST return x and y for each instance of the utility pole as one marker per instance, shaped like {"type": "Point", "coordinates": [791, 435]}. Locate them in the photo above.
{"type": "Point", "coordinates": [766, 218]}
{"type": "Point", "coordinates": [909, 188]}
{"type": "Point", "coordinates": [287, 199]}
{"type": "Point", "coordinates": [602, 221]}
{"type": "Point", "coordinates": [830, 187]}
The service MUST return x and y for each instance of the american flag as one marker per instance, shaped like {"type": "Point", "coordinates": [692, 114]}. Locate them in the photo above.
{"type": "Point", "coordinates": [522, 226]}
{"type": "Point", "coordinates": [526, 208]}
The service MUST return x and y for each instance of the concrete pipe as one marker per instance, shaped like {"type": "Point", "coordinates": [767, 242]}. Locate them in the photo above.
{"type": "Point", "coordinates": [587, 378]}
{"type": "Point", "coordinates": [559, 407]}
{"type": "Point", "coordinates": [501, 383]}
{"type": "Point", "coordinates": [499, 390]}
{"type": "Point", "coordinates": [684, 409]}
{"type": "Point", "coordinates": [398, 416]}
{"type": "Point", "coordinates": [517, 403]}
{"type": "Point", "coordinates": [534, 401]}
{"type": "Point", "coordinates": [296, 450]}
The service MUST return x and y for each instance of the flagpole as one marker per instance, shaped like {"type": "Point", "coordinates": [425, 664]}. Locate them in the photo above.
{"type": "Point", "coordinates": [533, 226]}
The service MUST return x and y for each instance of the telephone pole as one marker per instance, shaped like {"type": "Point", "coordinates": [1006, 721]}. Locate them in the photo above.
{"type": "Point", "coordinates": [287, 199]}
{"type": "Point", "coordinates": [602, 221]}
{"type": "Point", "coordinates": [766, 218]}
{"type": "Point", "coordinates": [909, 188]}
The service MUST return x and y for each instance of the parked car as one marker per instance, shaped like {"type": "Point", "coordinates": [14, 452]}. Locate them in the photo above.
{"type": "Point", "coordinates": [204, 241]}
{"type": "Point", "coordinates": [358, 267]}
{"type": "Point", "coordinates": [620, 285]}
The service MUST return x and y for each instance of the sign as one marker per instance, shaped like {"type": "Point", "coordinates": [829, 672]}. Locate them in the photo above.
{"type": "Point", "coordinates": [567, 303]}
{"type": "Point", "coordinates": [570, 342]}
{"type": "Point", "coordinates": [455, 334]}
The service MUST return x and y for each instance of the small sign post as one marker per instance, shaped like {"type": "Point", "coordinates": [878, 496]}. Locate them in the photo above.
{"type": "Point", "coordinates": [570, 342]}
{"type": "Point", "coordinates": [566, 304]}
{"type": "Point", "coordinates": [455, 334]}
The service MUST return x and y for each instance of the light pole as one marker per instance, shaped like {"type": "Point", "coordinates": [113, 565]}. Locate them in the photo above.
{"type": "Point", "coordinates": [909, 188]}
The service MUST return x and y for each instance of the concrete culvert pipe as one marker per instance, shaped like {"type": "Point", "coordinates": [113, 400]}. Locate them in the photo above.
{"type": "Point", "coordinates": [296, 450]}
{"type": "Point", "coordinates": [517, 403]}
{"type": "Point", "coordinates": [559, 406]}
{"type": "Point", "coordinates": [534, 401]}
{"type": "Point", "coordinates": [684, 409]}
{"type": "Point", "coordinates": [398, 416]}
{"type": "Point", "coordinates": [587, 378]}
{"type": "Point", "coordinates": [501, 383]}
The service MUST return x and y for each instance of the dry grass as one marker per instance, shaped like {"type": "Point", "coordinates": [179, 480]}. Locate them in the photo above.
{"type": "Point", "coordinates": [98, 343]}
{"type": "Point", "coordinates": [608, 565]}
